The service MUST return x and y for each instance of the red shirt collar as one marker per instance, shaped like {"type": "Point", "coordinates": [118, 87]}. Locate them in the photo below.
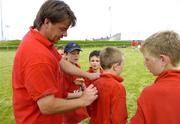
{"type": "Point", "coordinates": [169, 74]}
{"type": "Point", "coordinates": [92, 71]}
{"type": "Point", "coordinates": [109, 75]}
{"type": "Point", "coordinates": [38, 36]}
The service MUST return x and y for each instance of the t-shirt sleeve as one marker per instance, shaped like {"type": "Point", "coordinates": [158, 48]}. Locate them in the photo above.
{"type": "Point", "coordinates": [57, 54]}
{"type": "Point", "coordinates": [40, 79]}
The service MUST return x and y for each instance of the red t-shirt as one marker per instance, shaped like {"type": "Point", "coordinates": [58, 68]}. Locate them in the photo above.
{"type": "Point", "coordinates": [36, 73]}
{"type": "Point", "coordinates": [110, 107]}
{"type": "Point", "coordinates": [88, 81]}
{"type": "Point", "coordinates": [77, 115]}
{"type": "Point", "coordinates": [133, 43]}
{"type": "Point", "coordinates": [159, 103]}
{"type": "Point", "coordinates": [68, 82]}
{"type": "Point", "coordinates": [140, 43]}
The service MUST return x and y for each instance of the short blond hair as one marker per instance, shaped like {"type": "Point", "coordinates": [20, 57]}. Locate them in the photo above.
{"type": "Point", "coordinates": [110, 56]}
{"type": "Point", "coordinates": [166, 43]}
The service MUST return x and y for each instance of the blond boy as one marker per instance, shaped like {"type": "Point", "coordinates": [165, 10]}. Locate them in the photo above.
{"type": "Point", "coordinates": [159, 103]}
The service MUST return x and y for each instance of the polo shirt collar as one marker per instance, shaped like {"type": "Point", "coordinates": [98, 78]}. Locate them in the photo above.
{"type": "Point", "coordinates": [38, 36]}
{"type": "Point", "coordinates": [92, 71]}
{"type": "Point", "coordinates": [109, 75]}
{"type": "Point", "coordinates": [168, 75]}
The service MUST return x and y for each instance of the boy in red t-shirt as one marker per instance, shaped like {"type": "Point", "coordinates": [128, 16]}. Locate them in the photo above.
{"type": "Point", "coordinates": [139, 44]}
{"type": "Point", "coordinates": [72, 85]}
{"type": "Point", "coordinates": [133, 44]}
{"type": "Point", "coordinates": [159, 103]}
{"type": "Point", "coordinates": [95, 67]}
{"type": "Point", "coordinates": [110, 107]}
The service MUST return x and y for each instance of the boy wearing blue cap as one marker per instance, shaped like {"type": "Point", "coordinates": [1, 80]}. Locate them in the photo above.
{"type": "Point", "coordinates": [72, 85]}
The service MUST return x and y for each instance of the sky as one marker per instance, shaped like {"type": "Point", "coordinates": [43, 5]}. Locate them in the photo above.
{"type": "Point", "coordinates": [134, 19]}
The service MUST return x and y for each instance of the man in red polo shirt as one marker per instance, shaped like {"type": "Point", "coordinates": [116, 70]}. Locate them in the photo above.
{"type": "Point", "coordinates": [37, 77]}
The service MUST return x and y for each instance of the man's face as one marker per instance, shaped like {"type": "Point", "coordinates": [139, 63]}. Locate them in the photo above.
{"type": "Point", "coordinates": [56, 31]}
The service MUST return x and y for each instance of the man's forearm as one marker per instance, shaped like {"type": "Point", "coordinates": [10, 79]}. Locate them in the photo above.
{"type": "Point", "coordinates": [52, 105]}
{"type": "Point", "coordinates": [72, 69]}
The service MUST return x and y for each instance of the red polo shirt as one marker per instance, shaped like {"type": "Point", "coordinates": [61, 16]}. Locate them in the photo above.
{"type": "Point", "coordinates": [133, 43]}
{"type": "Point", "coordinates": [110, 107]}
{"type": "Point", "coordinates": [159, 103]}
{"type": "Point", "coordinates": [68, 82]}
{"type": "Point", "coordinates": [76, 116]}
{"type": "Point", "coordinates": [88, 81]}
{"type": "Point", "coordinates": [36, 73]}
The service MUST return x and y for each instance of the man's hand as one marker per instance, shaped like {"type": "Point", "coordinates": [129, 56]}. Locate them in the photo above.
{"type": "Point", "coordinates": [93, 76]}
{"type": "Point", "coordinates": [89, 95]}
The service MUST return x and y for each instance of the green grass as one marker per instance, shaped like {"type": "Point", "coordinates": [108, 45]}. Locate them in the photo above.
{"type": "Point", "coordinates": [136, 77]}
{"type": "Point", "coordinates": [13, 44]}
{"type": "Point", "coordinates": [6, 60]}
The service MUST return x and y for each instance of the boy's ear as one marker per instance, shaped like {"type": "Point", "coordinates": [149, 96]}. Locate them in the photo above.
{"type": "Point", "coordinates": [114, 66]}
{"type": "Point", "coordinates": [165, 59]}
{"type": "Point", "coordinates": [46, 21]}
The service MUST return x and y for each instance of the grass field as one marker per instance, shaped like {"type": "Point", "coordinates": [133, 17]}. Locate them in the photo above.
{"type": "Point", "coordinates": [136, 77]}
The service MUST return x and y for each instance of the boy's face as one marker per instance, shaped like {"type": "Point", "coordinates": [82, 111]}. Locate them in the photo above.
{"type": "Point", "coordinates": [153, 64]}
{"type": "Point", "coordinates": [94, 62]}
{"type": "Point", "coordinates": [73, 56]}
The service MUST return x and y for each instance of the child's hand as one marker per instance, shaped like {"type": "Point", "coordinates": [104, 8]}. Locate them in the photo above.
{"type": "Point", "coordinates": [79, 81]}
{"type": "Point", "coordinates": [77, 93]}
{"type": "Point", "coordinates": [82, 87]}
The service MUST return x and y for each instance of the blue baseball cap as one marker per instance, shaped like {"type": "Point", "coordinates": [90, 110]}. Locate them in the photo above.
{"type": "Point", "coordinates": [71, 46]}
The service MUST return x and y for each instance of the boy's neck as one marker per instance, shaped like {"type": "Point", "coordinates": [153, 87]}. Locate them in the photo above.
{"type": "Point", "coordinates": [171, 67]}
{"type": "Point", "coordinates": [96, 70]}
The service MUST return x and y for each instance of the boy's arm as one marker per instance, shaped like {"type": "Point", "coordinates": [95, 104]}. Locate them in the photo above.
{"type": "Point", "coordinates": [73, 70]}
